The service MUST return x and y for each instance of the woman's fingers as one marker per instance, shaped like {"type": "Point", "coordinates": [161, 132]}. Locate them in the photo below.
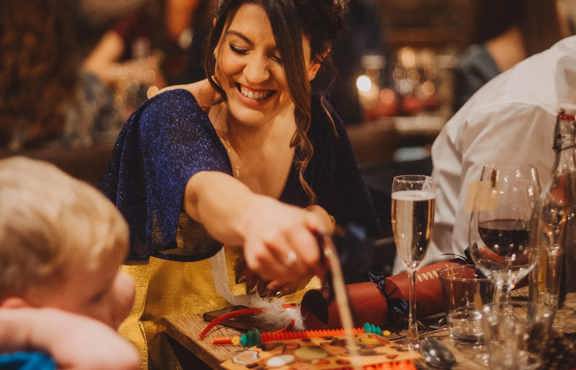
{"type": "Point", "coordinates": [282, 243]}
{"type": "Point", "coordinates": [278, 259]}
{"type": "Point", "coordinates": [304, 247]}
{"type": "Point", "coordinates": [261, 260]}
{"type": "Point", "coordinates": [316, 223]}
{"type": "Point", "coordinates": [152, 91]}
{"type": "Point", "coordinates": [328, 222]}
{"type": "Point", "coordinates": [284, 249]}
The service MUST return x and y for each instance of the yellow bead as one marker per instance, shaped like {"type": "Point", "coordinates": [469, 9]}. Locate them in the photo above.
{"type": "Point", "coordinates": [386, 333]}
{"type": "Point", "coordinates": [236, 340]}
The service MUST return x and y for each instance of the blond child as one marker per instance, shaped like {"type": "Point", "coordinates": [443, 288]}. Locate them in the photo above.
{"type": "Point", "coordinates": [61, 245]}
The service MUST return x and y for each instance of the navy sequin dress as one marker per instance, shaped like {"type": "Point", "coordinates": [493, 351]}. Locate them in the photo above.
{"type": "Point", "coordinates": [169, 139]}
{"type": "Point", "coordinates": [164, 143]}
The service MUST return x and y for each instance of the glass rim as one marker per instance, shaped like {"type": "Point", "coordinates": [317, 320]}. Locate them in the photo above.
{"type": "Point", "coordinates": [520, 304]}
{"type": "Point", "coordinates": [442, 274]}
{"type": "Point", "coordinates": [509, 165]}
{"type": "Point", "coordinates": [528, 311]}
{"type": "Point", "coordinates": [525, 169]}
{"type": "Point", "coordinates": [412, 178]}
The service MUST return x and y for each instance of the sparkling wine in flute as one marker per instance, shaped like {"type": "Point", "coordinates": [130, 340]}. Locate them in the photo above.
{"type": "Point", "coordinates": [412, 219]}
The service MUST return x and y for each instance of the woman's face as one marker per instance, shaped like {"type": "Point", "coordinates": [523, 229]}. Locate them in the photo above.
{"type": "Point", "coordinates": [250, 70]}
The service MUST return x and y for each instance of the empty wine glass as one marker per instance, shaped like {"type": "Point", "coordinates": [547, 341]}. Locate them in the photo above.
{"type": "Point", "coordinates": [501, 224]}
{"type": "Point", "coordinates": [413, 200]}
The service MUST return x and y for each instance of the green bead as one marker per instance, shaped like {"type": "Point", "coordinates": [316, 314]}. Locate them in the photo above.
{"type": "Point", "coordinates": [371, 328]}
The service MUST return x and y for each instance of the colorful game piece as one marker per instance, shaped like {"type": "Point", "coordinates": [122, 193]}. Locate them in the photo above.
{"type": "Point", "coordinates": [254, 337]}
{"type": "Point", "coordinates": [309, 353]}
{"type": "Point", "coordinates": [371, 328]}
{"type": "Point", "coordinates": [246, 357]}
{"type": "Point", "coordinates": [279, 361]}
{"type": "Point", "coordinates": [369, 340]}
{"type": "Point", "coordinates": [325, 353]}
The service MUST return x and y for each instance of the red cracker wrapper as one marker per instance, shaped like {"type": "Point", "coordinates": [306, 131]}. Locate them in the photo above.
{"type": "Point", "coordinates": [375, 302]}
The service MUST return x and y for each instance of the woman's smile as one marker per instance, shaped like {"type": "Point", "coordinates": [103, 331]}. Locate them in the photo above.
{"type": "Point", "coordinates": [254, 97]}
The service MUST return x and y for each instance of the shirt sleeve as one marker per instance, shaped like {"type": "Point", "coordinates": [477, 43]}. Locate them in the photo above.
{"type": "Point", "coordinates": [164, 143]}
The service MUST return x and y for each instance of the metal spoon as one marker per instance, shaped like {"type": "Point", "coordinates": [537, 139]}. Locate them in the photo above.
{"type": "Point", "coordinates": [436, 354]}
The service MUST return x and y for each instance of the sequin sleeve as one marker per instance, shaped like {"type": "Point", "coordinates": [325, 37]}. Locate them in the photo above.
{"type": "Point", "coordinates": [163, 144]}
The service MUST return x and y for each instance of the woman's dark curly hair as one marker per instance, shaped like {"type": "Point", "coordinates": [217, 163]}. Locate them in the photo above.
{"type": "Point", "coordinates": [38, 67]}
{"type": "Point", "coordinates": [319, 21]}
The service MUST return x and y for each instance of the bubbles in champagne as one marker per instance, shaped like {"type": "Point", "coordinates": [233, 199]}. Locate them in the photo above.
{"type": "Point", "coordinates": [412, 219]}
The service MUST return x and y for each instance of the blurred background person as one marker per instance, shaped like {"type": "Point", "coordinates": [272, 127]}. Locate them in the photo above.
{"type": "Point", "coordinates": [363, 37]}
{"type": "Point", "coordinates": [158, 44]}
{"type": "Point", "coordinates": [100, 13]}
{"type": "Point", "coordinates": [44, 95]}
{"type": "Point", "coordinates": [505, 33]}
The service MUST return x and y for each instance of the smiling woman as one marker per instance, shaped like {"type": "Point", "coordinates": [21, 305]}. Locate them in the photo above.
{"type": "Point", "coordinates": [251, 73]}
{"type": "Point", "coordinates": [248, 159]}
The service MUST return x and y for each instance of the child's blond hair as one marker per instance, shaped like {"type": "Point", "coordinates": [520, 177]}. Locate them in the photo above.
{"type": "Point", "coordinates": [50, 221]}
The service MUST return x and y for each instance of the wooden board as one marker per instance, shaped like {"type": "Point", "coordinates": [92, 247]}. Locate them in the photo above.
{"type": "Point", "coordinates": [325, 353]}
{"type": "Point", "coordinates": [185, 330]}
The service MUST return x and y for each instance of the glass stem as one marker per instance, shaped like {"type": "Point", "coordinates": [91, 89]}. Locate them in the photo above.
{"type": "Point", "coordinates": [412, 333]}
{"type": "Point", "coordinates": [553, 283]}
{"type": "Point", "coordinates": [502, 291]}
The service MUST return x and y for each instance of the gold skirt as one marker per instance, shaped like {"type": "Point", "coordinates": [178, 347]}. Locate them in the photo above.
{"type": "Point", "coordinates": [169, 288]}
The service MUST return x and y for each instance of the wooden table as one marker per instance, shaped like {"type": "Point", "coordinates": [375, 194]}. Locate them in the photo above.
{"type": "Point", "coordinates": [185, 330]}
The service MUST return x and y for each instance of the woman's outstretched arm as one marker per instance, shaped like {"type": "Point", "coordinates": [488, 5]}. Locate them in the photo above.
{"type": "Point", "coordinates": [278, 239]}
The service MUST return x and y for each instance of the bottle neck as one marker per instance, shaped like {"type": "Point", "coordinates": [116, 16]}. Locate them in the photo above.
{"type": "Point", "coordinates": [565, 143]}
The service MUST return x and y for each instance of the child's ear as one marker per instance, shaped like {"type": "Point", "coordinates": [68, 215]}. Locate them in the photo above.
{"type": "Point", "coordinates": [14, 302]}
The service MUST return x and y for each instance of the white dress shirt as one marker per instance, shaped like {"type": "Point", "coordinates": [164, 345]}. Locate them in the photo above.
{"type": "Point", "coordinates": [508, 121]}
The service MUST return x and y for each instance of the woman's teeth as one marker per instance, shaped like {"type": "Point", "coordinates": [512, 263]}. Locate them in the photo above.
{"type": "Point", "coordinates": [256, 95]}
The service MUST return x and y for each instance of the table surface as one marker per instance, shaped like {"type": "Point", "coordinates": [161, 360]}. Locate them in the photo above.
{"type": "Point", "coordinates": [185, 330]}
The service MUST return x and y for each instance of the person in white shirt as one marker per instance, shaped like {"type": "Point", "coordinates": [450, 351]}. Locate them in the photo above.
{"type": "Point", "coordinates": [510, 120]}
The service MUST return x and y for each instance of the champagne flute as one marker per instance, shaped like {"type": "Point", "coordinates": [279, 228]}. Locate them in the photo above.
{"type": "Point", "coordinates": [502, 224]}
{"type": "Point", "coordinates": [413, 200]}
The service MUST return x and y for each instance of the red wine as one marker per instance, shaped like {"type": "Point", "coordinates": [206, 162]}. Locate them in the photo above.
{"type": "Point", "coordinates": [504, 237]}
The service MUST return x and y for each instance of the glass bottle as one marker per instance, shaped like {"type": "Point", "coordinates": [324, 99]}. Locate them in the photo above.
{"type": "Point", "coordinates": [556, 220]}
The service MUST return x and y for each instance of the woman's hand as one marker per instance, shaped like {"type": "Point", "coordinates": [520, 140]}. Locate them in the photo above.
{"type": "Point", "coordinates": [329, 221]}
{"type": "Point", "coordinates": [279, 240]}
{"type": "Point", "coordinates": [280, 243]}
